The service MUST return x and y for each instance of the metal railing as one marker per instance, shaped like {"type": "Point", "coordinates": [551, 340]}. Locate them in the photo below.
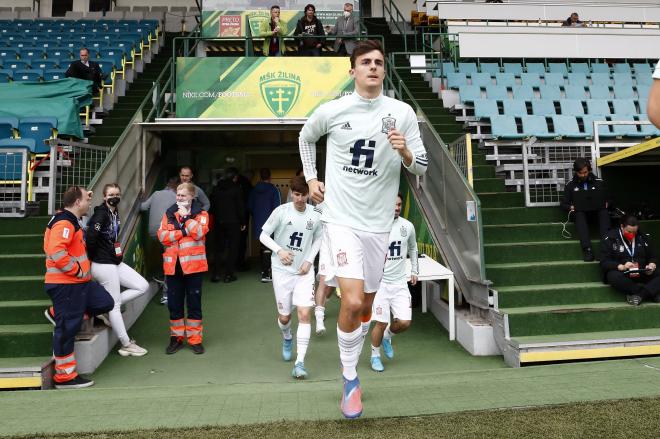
{"type": "Point", "coordinates": [13, 181]}
{"type": "Point", "coordinates": [461, 151]}
{"type": "Point", "coordinates": [397, 19]}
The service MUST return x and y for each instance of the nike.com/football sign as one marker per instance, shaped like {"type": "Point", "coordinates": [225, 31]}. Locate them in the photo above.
{"type": "Point", "coordinates": [258, 88]}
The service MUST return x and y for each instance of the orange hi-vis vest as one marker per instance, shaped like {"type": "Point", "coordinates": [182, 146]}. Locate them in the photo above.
{"type": "Point", "coordinates": [184, 240]}
{"type": "Point", "coordinates": [66, 253]}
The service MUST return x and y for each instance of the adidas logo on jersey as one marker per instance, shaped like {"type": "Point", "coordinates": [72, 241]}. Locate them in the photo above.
{"type": "Point", "coordinates": [346, 126]}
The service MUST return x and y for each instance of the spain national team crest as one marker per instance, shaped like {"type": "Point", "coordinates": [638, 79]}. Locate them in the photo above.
{"type": "Point", "coordinates": [310, 225]}
{"type": "Point", "coordinates": [280, 92]}
{"type": "Point", "coordinates": [389, 123]}
{"type": "Point", "coordinates": [379, 310]}
{"type": "Point", "coordinates": [403, 231]}
{"type": "Point", "coordinates": [342, 260]}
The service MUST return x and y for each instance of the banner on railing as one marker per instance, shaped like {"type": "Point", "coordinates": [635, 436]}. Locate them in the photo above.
{"type": "Point", "coordinates": [247, 87]}
{"type": "Point", "coordinates": [411, 211]}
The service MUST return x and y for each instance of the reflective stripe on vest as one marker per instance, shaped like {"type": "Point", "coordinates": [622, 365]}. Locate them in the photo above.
{"type": "Point", "coordinates": [57, 255]}
{"type": "Point", "coordinates": [68, 267]}
{"type": "Point", "coordinates": [168, 258]}
{"type": "Point", "coordinates": [184, 259]}
{"type": "Point", "coordinates": [189, 244]}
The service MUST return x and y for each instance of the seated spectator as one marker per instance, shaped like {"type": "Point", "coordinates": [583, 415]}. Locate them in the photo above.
{"type": "Point", "coordinates": [654, 98]}
{"type": "Point", "coordinates": [573, 21]}
{"type": "Point", "coordinates": [345, 26]}
{"type": "Point", "coordinates": [307, 26]}
{"type": "Point", "coordinates": [273, 32]}
{"type": "Point", "coordinates": [585, 180]}
{"type": "Point", "coordinates": [86, 69]}
{"type": "Point", "coordinates": [625, 249]}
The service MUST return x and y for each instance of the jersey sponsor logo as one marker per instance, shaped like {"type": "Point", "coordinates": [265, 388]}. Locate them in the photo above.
{"type": "Point", "coordinates": [346, 126]}
{"type": "Point", "coordinates": [359, 149]}
{"type": "Point", "coordinates": [295, 240]}
{"type": "Point", "coordinates": [65, 233]}
{"type": "Point", "coordinates": [342, 260]}
{"type": "Point", "coordinates": [389, 123]}
{"type": "Point", "coordinates": [395, 248]}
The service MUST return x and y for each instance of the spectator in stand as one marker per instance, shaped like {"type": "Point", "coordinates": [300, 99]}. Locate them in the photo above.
{"type": "Point", "coordinates": [265, 198]}
{"type": "Point", "coordinates": [345, 26]}
{"type": "Point", "coordinates": [654, 98]}
{"type": "Point", "coordinates": [186, 176]}
{"type": "Point", "coordinates": [573, 21]}
{"type": "Point", "coordinates": [309, 26]}
{"type": "Point", "coordinates": [584, 180]}
{"type": "Point", "coordinates": [625, 249]}
{"type": "Point", "coordinates": [273, 31]}
{"type": "Point", "coordinates": [86, 69]}
{"type": "Point", "coordinates": [229, 216]}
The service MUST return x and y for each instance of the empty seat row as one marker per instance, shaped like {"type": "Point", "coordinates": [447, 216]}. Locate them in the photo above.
{"type": "Point", "coordinates": [537, 67]}
{"type": "Point", "coordinates": [36, 129]}
{"type": "Point", "coordinates": [468, 93]}
{"type": "Point", "coordinates": [454, 80]}
{"type": "Point", "coordinates": [544, 107]}
{"type": "Point", "coordinates": [23, 75]}
{"type": "Point", "coordinates": [39, 25]}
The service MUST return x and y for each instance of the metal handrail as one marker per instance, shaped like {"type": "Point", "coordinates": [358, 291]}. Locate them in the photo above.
{"type": "Point", "coordinates": [402, 29]}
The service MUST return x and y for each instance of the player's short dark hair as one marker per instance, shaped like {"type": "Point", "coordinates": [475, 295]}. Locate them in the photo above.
{"type": "Point", "coordinates": [298, 184]}
{"type": "Point", "coordinates": [274, 7]}
{"type": "Point", "coordinates": [400, 196]}
{"type": "Point", "coordinates": [629, 220]}
{"type": "Point", "coordinates": [580, 163]}
{"type": "Point", "coordinates": [71, 195]}
{"type": "Point", "coordinates": [264, 173]}
{"type": "Point", "coordinates": [310, 6]}
{"type": "Point", "coordinates": [366, 46]}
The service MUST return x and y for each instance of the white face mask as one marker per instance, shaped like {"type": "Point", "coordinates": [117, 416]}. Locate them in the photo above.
{"type": "Point", "coordinates": [183, 204]}
{"type": "Point", "coordinates": [347, 14]}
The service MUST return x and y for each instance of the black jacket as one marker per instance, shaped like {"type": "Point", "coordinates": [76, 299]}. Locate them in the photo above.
{"type": "Point", "coordinates": [101, 236]}
{"type": "Point", "coordinates": [304, 27]}
{"type": "Point", "coordinates": [227, 203]}
{"type": "Point", "coordinates": [614, 253]}
{"type": "Point", "coordinates": [576, 185]}
{"type": "Point", "coordinates": [92, 73]}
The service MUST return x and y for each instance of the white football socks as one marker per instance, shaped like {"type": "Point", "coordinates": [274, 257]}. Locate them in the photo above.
{"type": "Point", "coordinates": [302, 340]}
{"type": "Point", "coordinates": [349, 351]}
{"type": "Point", "coordinates": [286, 329]}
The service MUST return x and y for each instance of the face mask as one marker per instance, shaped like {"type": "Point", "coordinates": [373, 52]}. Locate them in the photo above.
{"type": "Point", "coordinates": [347, 14]}
{"type": "Point", "coordinates": [183, 204]}
{"type": "Point", "coordinates": [629, 235]}
{"type": "Point", "coordinates": [114, 201]}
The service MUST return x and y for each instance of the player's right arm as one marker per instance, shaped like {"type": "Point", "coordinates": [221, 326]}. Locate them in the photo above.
{"type": "Point", "coordinates": [268, 229]}
{"type": "Point", "coordinates": [413, 254]}
{"type": "Point", "coordinates": [315, 127]}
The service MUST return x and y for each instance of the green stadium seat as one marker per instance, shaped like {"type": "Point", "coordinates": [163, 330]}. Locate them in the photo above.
{"type": "Point", "coordinates": [468, 93]}
{"type": "Point", "coordinates": [554, 79]}
{"type": "Point", "coordinates": [599, 92]}
{"type": "Point", "coordinates": [600, 68]}
{"type": "Point", "coordinates": [504, 127]}
{"type": "Point", "coordinates": [481, 79]}
{"type": "Point", "coordinates": [505, 79]}
{"type": "Point", "coordinates": [535, 67]}
{"type": "Point", "coordinates": [580, 67]}
{"type": "Point", "coordinates": [623, 91]}
{"type": "Point", "coordinates": [514, 107]}
{"type": "Point", "coordinates": [577, 79]}
{"type": "Point", "coordinates": [490, 67]}
{"type": "Point", "coordinates": [551, 92]}
{"type": "Point", "coordinates": [543, 107]}
{"type": "Point", "coordinates": [566, 126]}
{"type": "Point", "coordinates": [571, 107]}
{"type": "Point", "coordinates": [575, 92]}
{"type": "Point", "coordinates": [524, 92]}
{"type": "Point", "coordinates": [498, 92]}
{"type": "Point", "coordinates": [535, 126]}
{"type": "Point", "coordinates": [601, 78]}
{"type": "Point", "coordinates": [622, 78]}
{"type": "Point", "coordinates": [455, 80]}
{"type": "Point", "coordinates": [485, 108]}
{"type": "Point", "coordinates": [513, 67]}
{"type": "Point", "coordinates": [555, 67]}
{"type": "Point", "coordinates": [597, 106]}
{"type": "Point", "coordinates": [467, 67]}
{"type": "Point", "coordinates": [533, 79]}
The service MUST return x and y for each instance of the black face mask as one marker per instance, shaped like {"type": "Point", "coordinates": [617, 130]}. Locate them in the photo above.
{"type": "Point", "coordinates": [114, 201]}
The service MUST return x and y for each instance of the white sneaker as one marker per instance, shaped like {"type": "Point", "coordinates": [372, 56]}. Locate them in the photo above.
{"type": "Point", "coordinates": [104, 318]}
{"type": "Point", "coordinates": [132, 350]}
{"type": "Point", "coordinates": [320, 327]}
{"type": "Point", "coordinates": [163, 300]}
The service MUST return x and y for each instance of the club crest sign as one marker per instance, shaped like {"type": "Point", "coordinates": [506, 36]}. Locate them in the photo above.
{"type": "Point", "coordinates": [280, 91]}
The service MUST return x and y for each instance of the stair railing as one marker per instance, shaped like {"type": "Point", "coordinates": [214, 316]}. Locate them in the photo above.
{"type": "Point", "coordinates": [391, 11]}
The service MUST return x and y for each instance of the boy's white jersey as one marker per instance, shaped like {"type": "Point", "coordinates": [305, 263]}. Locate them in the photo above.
{"type": "Point", "coordinates": [362, 170]}
{"type": "Point", "coordinates": [403, 243]}
{"type": "Point", "coordinates": [294, 231]}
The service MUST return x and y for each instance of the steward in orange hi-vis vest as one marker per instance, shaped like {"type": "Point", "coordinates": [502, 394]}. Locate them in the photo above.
{"type": "Point", "coordinates": [182, 231]}
{"type": "Point", "coordinates": [66, 254]}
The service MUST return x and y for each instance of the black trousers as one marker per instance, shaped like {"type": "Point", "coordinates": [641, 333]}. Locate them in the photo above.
{"type": "Point", "coordinates": [185, 291]}
{"type": "Point", "coordinates": [647, 286]}
{"type": "Point", "coordinates": [227, 237]}
{"type": "Point", "coordinates": [582, 225]}
{"type": "Point", "coordinates": [265, 254]}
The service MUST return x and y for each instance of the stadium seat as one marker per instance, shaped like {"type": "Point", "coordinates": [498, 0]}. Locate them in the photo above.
{"type": "Point", "coordinates": [577, 79]}
{"type": "Point", "coordinates": [498, 92]}
{"type": "Point", "coordinates": [648, 130]}
{"type": "Point", "coordinates": [467, 67]}
{"type": "Point", "coordinates": [571, 107]}
{"type": "Point", "coordinates": [597, 106]}
{"type": "Point", "coordinates": [504, 127]}
{"type": "Point", "coordinates": [8, 53]}
{"type": "Point", "coordinates": [524, 92]}
{"type": "Point", "coordinates": [17, 64]}
{"type": "Point", "coordinates": [11, 168]}
{"type": "Point", "coordinates": [553, 79]}
{"type": "Point", "coordinates": [643, 91]}
{"type": "Point", "coordinates": [535, 126]}
{"type": "Point", "coordinates": [643, 105]}
{"type": "Point", "coordinates": [31, 52]}
{"type": "Point", "coordinates": [532, 79]}
{"type": "Point", "coordinates": [456, 80]}
{"type": "Point", "coordinates": [481, 79]}
{"type": "Point", "coordinates": [625, 130]}
{"type": "Point", "coordinates": [54, 74]}
{"type": "Point", "coordinates": [513, 67]}
{"type": "Point", "coordinates": [448, 67]}
{"type": "Point", "coordinates": [33, 75]}
{"type": "Point", "coordinates": [622, 67]}
{"type": "Point", "coordinates": [624, 106]}
{"type": "Point", "coordinates": [46, 64]}
{"type": "Point", "coordinates": [535, 67]}
{"type": "Point", "coordinates": [485, 108]}
{"type": "Point", "coordinates": [556, 67]}
{"type": "Point", "coordinates": [566, 126]}
{"type": "Point", "coordinates": [601, 79]}
{"type": "Point", "coordinates": [643, 78]}
{"type": "Point", "coordinates": [490, 67]}
{"type": "Point", "coordinates": [551, 92]}
{"type": "Point", "coordinates": [574, 92]}
{"type": "Point", "coordinates": [588, 122]}
{"type": "Point", "coordinates": [468, 93]}
{"type": "Point", "coordinates": [39, 129]}
{"type": "Point", "coordinates": [8, 127]}
{"type": "Point", "coordinates": [643, 69]}
{"type": "Point", "coordinates": [599, 92]}
{"type": "Point", "coordinates": [5, 75]}
{"type": "Point", "coordinates": [514, 107]}
{"type": "Point", "coordinates": [622, 78]}
{"type": "Point", "coordinates": [505, 79]}
{"type": "Point", "coordinates": [580, 67]}
{"type": "Point", "coordinates": [59, 53]}
{"type": "Point", "coordinates": [600, 68]}
{"type": "Point", "coordinates": [543, 107]}
{"type": "Point", "coordinates": [623, 92]}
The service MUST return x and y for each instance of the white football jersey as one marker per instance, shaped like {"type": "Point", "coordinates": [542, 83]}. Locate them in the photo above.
{"type": "Point", "coordinates": [403, 243]}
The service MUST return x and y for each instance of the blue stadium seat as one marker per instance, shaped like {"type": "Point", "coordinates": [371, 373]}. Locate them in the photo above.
{"type": "Point", "coordinates": [554, 79]}
{"type": "Point", "coordinates": [622, 67]}
{"type": "Point", "coordinates": [54, 74]}
{"type": "Point", "coordinates": [624, 106]}
{"type": "Point", "coordinates": [31, 52]}
{"type": "Point", "coordinates": [643, 104]}
{"type": "Point", "coordinates": [524, 92]}
{"type": "Point", "coordinates": [533, 79]}
{"type": "Point", "coordinates": [39, 129]}
{"type": "Point", "coordinates": [5, 75]}
{"type": "Point", "coordinates": [11, 166]}
{"type": "Point", "coordinates": [622, 78]}
{"type": "Point", "coordinates": [535, 67]}
{"type": "Point", "coordinates": [513, 67]}
{"type": "Point", "coordinates": [48, 44]}
{"type": "Point", "coordinates": [577, 79]}
{"type": "Point", "coordinates": [535, 126]}
{"type": "Point", "coordinates": [543, 107]}
{"type": "Point", "coordinates": [485, 108]}
{"type": "Point", "coordinates": [600, 68]}
{"type": "Point", "coordinates": [490, 67]}
{"type": "Point", "coordinates": [625, 130]}
{"type": "Point", "coordinates": [8, 127]}
{"type": "Point", "coordinates": [46, 64]}
{"type": "Point", "coordinates": [504, 127]}
{"type": "Point", "coordinates": [456, 80]}
{"type": "Point", "coordinates": [598, 106]}
{"type": "Point", "coordinates": [566, 126]}
{"type": "Point", "coordinates": [623, 92]}
{"type": "Point", "coordinates": [59, 53]}
{"type": "Point", "coordinates": [601, 78]}
{"type": "Point", "coordinates": [648, 130]}
{"type": "Point", "coordinates": [643, 91]}
{"type": "Point", "coordinates": [557, 67]}
{"type": "Point", "coordinates": [17, 64]}
{"type": "Point", "coordinates": [8, 53]}
{"type": "Point", "coordinates": [575, 92]}
{"type": "Point", "coordinates": [551, 92]}
{"type": "Point", "coordinates": [32, 75]}
{"type": "Point", "coordinates": [599, 92]}
{"type": "Point", "coordinates": [571, 107]}
{"type": "Point", "coordinates": [580, 67]}
{"type": "Point", "coordinates": [468, 93]}
{"type": "Point", "coordinates": [643, 78]}
{"type": "Point", "coordinates": [481, 79]}
{"type": "Point", "coordinates": [448, 67]}
{"type": "Point", "coordinates": [642, 68]}
{"type": "Point", "coordinates": [588, 122]}
{"type": "Point", "coordinates": [467, 67]}
{"type": "Point", "coordinates": [514, 107]}
{"type": "Point", "coordinates": [505, 79]}
{"type": "Point", "coordinates": [498, 92]}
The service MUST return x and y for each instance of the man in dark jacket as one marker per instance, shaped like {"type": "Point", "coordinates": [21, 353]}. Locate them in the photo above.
{"type": "Point", "coordinates": [308, 26]}
{"type": "Point", "coordinates": [585, 180]}
{"type": "Point", "coordinates": [86, 69]}
{"type": "Point", "coordinates": [625, 249]}
{"type": "Point", "coordinates": [245, 182]}
{"type": "Point", "coordinates": [228, 209]}
{"type": "Point", "coordinates": [265, 197]}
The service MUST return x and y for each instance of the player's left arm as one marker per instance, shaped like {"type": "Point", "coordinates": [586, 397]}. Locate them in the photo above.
{"type": "Point", "coordinates": [408, 143]}
{"type": "Point", "coordinates": [413, 254]}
